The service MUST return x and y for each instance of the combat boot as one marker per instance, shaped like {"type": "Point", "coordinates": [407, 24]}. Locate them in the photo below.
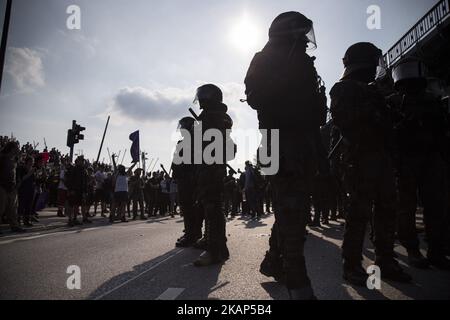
{"type": "Point", "coordinates": [355, 274]}
{"type": "Point", "coordinates": [185, 242]}
{"type": "Point", "coordinates": [391, 270]}
{"type": "Point", "coordinates": [272, 266]}
{"type": "Point", "coordinates": [417, 260]}
{"type": "Point", "coordinates": [206, 259]}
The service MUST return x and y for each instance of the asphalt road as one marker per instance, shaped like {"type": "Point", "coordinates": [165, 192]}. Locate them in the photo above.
{"type": "Point", "coordinates": [138, 260]}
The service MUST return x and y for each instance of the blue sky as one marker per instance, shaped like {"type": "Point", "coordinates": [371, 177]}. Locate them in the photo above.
{"type": "Point", "coordinates": [141, 60]}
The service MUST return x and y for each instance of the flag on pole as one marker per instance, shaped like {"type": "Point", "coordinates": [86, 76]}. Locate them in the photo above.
{"type": "Point", "coordinates": [135, 147]}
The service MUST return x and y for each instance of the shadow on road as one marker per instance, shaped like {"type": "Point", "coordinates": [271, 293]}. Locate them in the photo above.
{"type": "Point", "coordinates": [326, 277]}
{"type": "Point", "coordinates": [174, 269]}
{"type": "Point", "coordinates": [252, 224]}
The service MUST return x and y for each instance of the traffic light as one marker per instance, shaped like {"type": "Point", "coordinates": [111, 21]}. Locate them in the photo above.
{"type": "Point", "coordinates": [77, 129]}
{"type": "Point", "coordinates": [74, 136]}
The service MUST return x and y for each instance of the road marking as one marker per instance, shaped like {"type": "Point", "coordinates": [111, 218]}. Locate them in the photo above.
{"type": "Point", "coordinates": [40, 235]}
{"type": "Point", "coordinates": [170, 294]}
{"type": "Point", "coordinates": [22, 239]}
{"type": "Point", "coordinates": [177, 251]}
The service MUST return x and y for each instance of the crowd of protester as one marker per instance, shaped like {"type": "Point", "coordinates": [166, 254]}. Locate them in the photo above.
{"type": "Point", "coordinates": [32, 180]}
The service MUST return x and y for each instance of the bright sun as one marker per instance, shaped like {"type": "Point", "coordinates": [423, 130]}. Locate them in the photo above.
{"type": "Point", "coordinates": [245, 35]}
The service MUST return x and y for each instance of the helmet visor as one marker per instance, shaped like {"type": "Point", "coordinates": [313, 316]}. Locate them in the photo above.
{"type": "Point", "coordinates": [311, 37]}
{"type": "Point", "coordinates": [380, 72]}
{"type": "Point", "coordinates": [196, 98]}
{"type": "Point", "coordinates": [306, 34]}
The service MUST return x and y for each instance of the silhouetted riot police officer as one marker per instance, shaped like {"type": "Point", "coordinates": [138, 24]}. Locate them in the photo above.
{"type": "Point", "coordinates": [282, 85]}
{"type": "Point", "coordinates": [209, 177]}
{"type": "Point", "coordinates": [420, 127]}
{"type": "Point", "coordinates": [360, 113]}
{"type": "Point", "coordinates": [184, 174]}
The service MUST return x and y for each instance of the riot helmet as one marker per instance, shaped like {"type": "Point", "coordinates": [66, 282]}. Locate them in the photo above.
{"type": "Point", "coordinates": [410, 71]}
{"type": "Point", "coordinates": [364, 56]}
{"type": "Point", "coordinates": [187, 123]}
{"type": "Point", "coordinates": [293, 26]}
{"type": "Point", "coordinates": [207, 95]}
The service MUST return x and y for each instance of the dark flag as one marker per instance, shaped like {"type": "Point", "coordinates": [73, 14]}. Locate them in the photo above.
{"type": "Point", "coordinates": [135, 146]}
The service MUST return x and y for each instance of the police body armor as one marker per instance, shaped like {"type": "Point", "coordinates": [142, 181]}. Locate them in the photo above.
{"type": "Point", "coordinates": [282, 85]}
{"type": "Point", "coordinates": [209, 181]}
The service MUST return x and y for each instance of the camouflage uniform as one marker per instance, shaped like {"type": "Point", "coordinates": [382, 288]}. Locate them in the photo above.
{"type": "Point", "coordinates": [420, 136]}
{"type": "Point", "coordinates": [360, 113]}
{"type": "Point", "coordinates": [210, 187]}
{"type": "Point", "coordinates": [282, 85]}
{"type": "Point", "coordinates": [184, 174]}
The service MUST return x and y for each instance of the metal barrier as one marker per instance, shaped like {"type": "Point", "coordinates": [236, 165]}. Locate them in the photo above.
{"type": "Point", "coordinates": [421, 29]}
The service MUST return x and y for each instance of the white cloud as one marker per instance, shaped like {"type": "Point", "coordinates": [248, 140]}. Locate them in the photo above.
{"type": "Point", "coordinates": [142, 104]}
{"type": "Point", "coordinates": [25, 68]}
{"type": "Point", "coordinates": [163, 108]}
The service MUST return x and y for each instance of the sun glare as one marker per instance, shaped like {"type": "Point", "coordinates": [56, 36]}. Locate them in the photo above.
{"type": "Point", "coordinates": [245, 35]}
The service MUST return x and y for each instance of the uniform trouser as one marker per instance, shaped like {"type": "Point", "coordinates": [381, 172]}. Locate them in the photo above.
{"type": "Point", "coordinates": [191, 216]}
{"type": "Point", "coordinates": [288, 234]}
{"type": "Point", "coordinates": [8, 206]}
{"type": "Point", "coordinates": [210, 195]}
{"type": "Point", "coordinates": [426, 175]}
{"type": "Point", "coordinates": [215, 229]}
{"type": "Point", "coordinates": [371, 185]}
{"type": "Point", "coordinates": [274, 242]}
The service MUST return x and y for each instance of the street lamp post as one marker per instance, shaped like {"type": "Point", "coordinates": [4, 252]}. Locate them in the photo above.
{"type": "Point", "coordinates": [5, 39]}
